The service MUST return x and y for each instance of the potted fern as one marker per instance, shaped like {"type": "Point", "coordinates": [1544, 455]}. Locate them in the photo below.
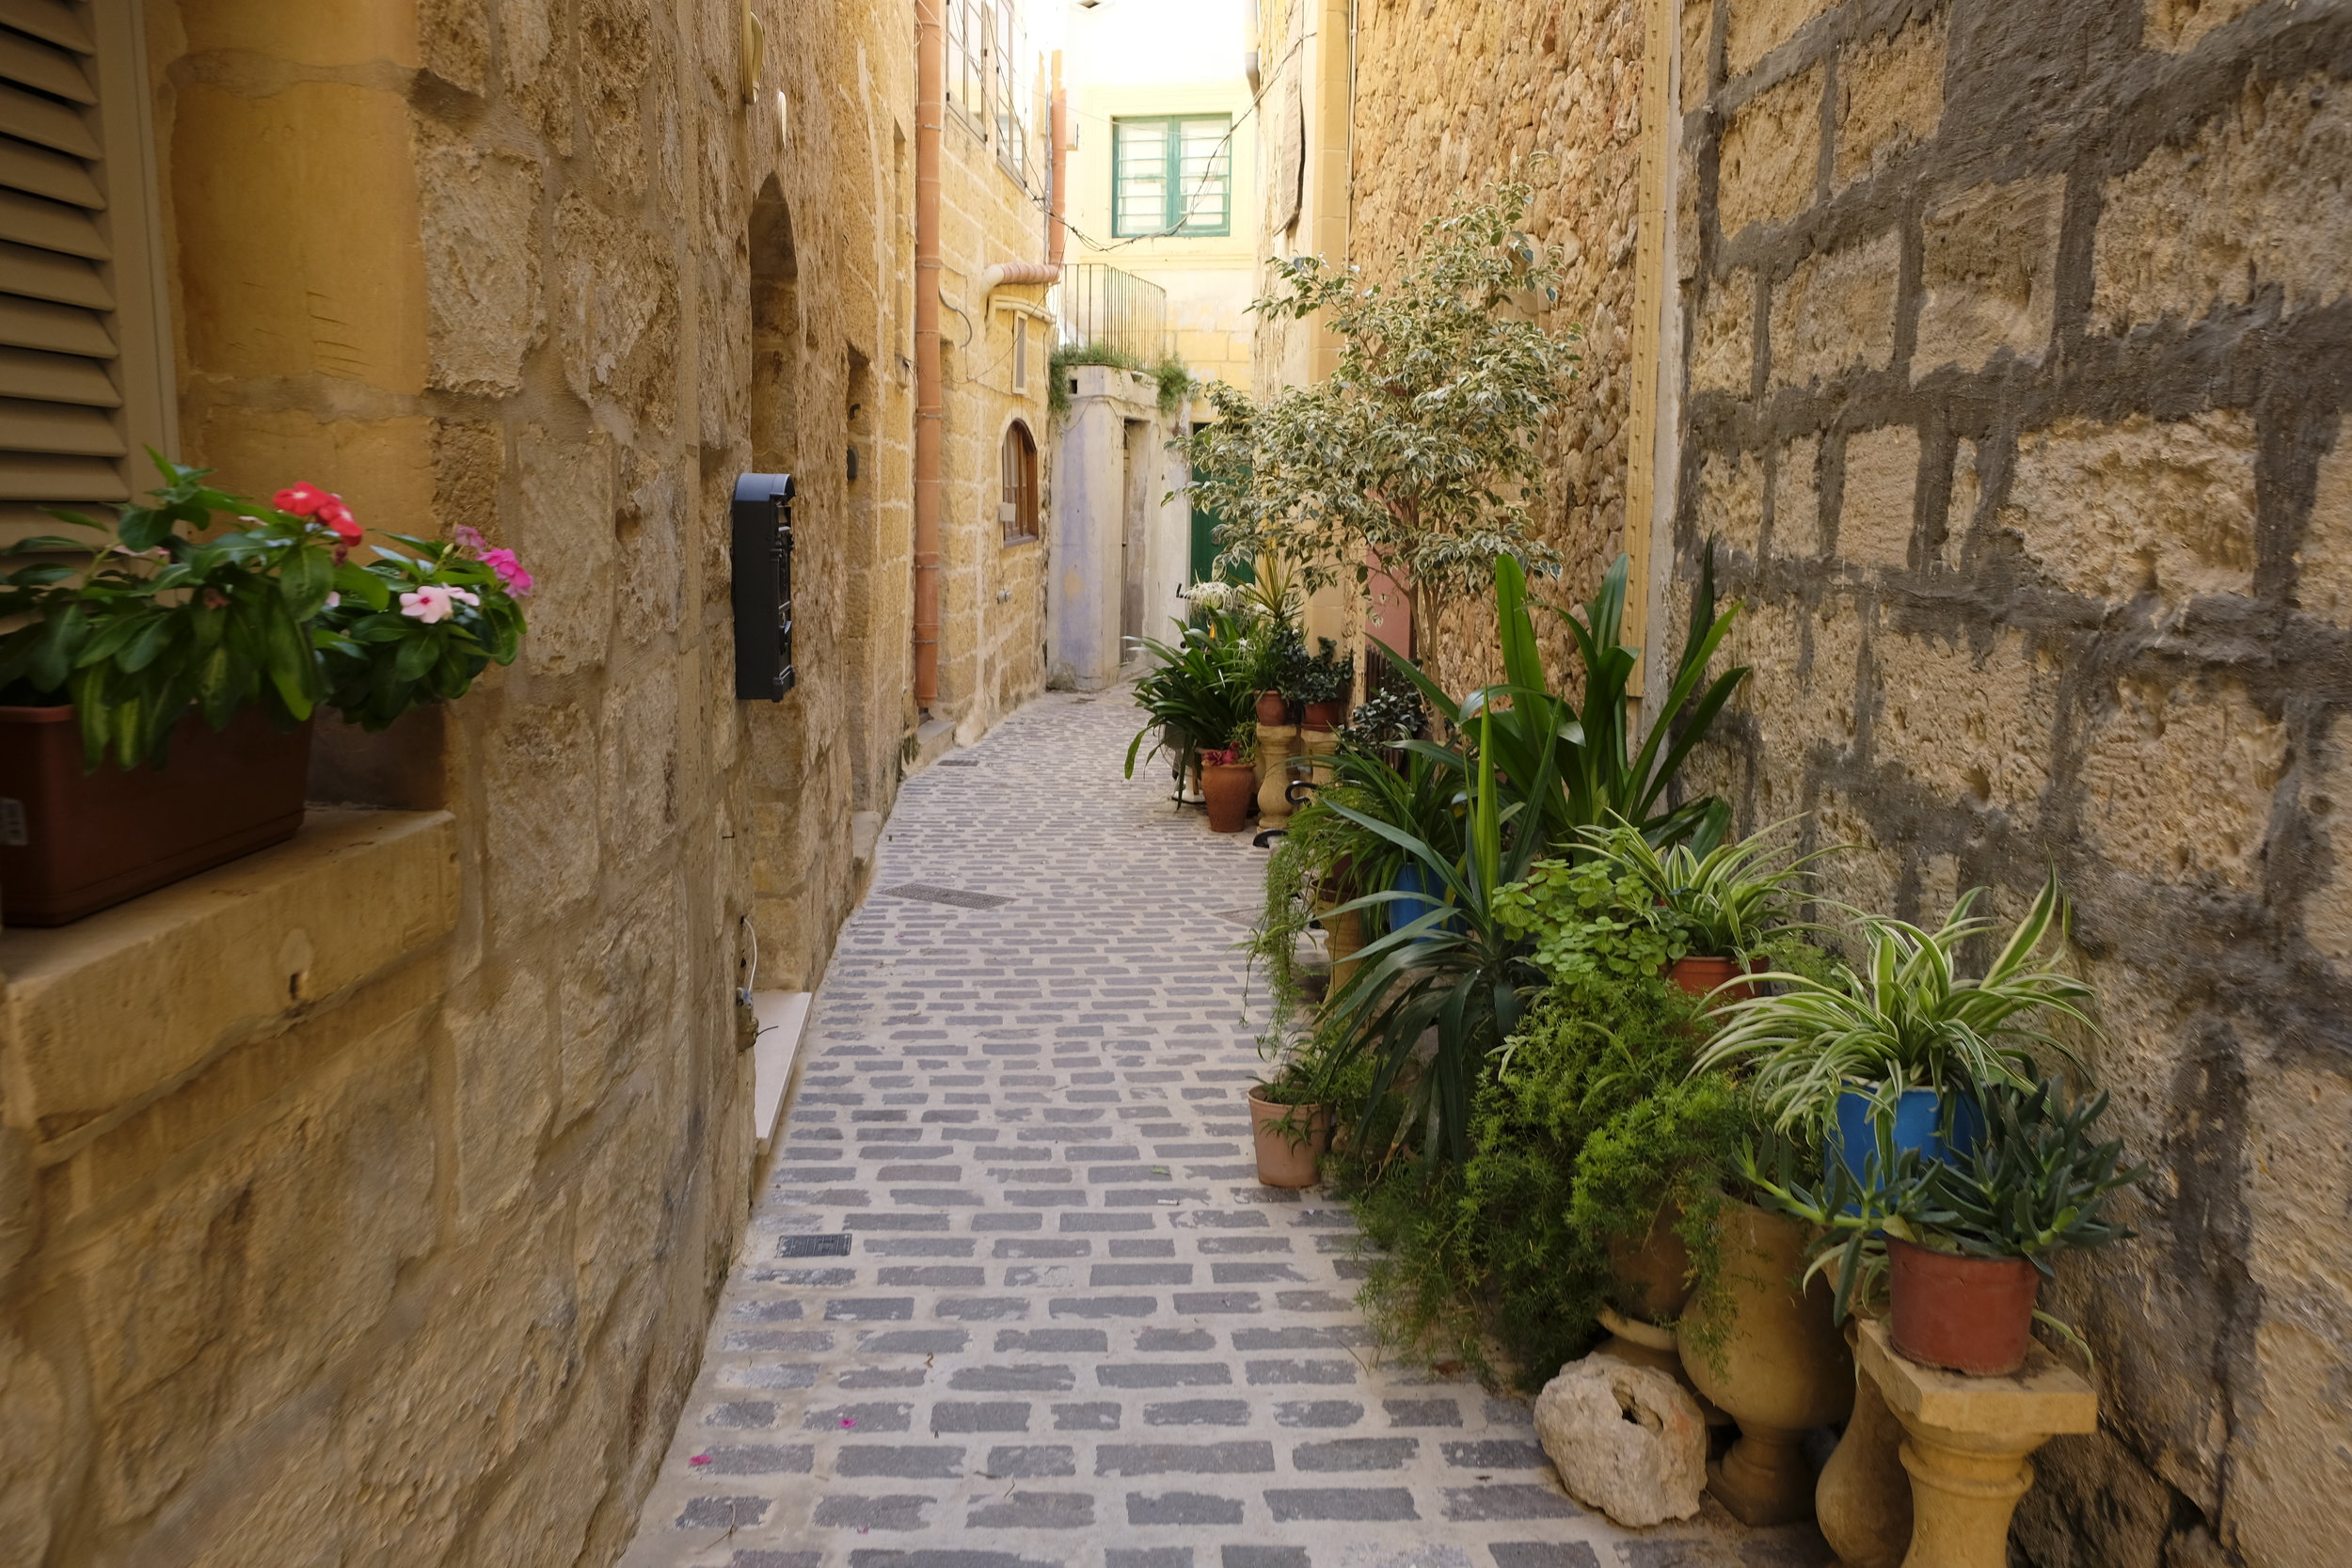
{"type": "Point", "coordinates": [155, 699]}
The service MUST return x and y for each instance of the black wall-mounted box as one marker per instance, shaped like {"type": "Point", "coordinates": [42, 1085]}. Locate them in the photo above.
{"type": "Point", "coordinates": [762, 557]}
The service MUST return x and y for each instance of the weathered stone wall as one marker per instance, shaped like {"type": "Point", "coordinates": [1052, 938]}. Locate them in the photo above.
{"type": "Point", "coordinates": [2017, 393]}
{"type": "Point", "coordinates": [390, 1235]}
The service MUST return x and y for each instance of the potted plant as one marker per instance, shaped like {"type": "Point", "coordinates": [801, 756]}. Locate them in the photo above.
{"type": "Point", "coordinates": [1319, 683]}
{"type": "Point", "coordinates": [1384, 721]}
{"type": "Point", "coordinates": [1962, 1243]}
{"type": "Point", "coordinates": [1907, 1031]}
{"type": "Point", "coordinates": [1198, 690]}
{"type": "Point", "coordinates": [1292, 1114]}
{"type": "Point", "coordinates": [1228, 780]}
{"type": "Point", "coordinates": [159, 688]}
{"type": "Point", "coordinates": [1727, 902]}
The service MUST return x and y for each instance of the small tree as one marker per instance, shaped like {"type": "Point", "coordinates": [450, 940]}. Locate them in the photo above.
{"type": "Point", "coordinates": [1421, 446]}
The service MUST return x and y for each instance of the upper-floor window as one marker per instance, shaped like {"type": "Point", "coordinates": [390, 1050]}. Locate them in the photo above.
{"type": "Point", "coordinates": [1013, 109]}
{"type": "Point", "coordinates": [968, 24]}
{"type": "Point", "coordinates": [1173, 175]}
{"type": "Point", "coordinates": [1017, 510]}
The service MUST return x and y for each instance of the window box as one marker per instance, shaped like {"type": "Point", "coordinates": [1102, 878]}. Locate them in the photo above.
{"type": "Point", "coordinates": [74, 842]}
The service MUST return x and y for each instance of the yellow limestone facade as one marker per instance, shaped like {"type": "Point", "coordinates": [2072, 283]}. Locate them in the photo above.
{"type": "Point", "coordinates": [364, 1201]}
{"type": "Point", "coordinates": [1998, 350]}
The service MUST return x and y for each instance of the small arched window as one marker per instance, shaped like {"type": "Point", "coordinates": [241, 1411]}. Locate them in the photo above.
{"type": "Point", "coordinates": [1017, 509]}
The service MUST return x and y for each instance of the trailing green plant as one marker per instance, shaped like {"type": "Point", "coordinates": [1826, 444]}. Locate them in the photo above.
{"type": "Point", "coordinates": [1907, 1018]}
{"type": "Point", "coordinates": [1421, 447]}
{"type": "Point", "coordinates": [168, 614]}
{"type": "Point", "coordinates": [1196, 695]}
{"type": "Point", "coordinates": [2037, 1184]}
{"type": "Point", "coordinates": [1590, 925]}
{"type": "Point", "coordinates": [1599, 775]}
{"type": "Point", "coordinates": [1172, 380]}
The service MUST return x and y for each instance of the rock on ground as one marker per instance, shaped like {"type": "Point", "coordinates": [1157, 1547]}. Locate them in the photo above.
{"type": "Point", "coordinates": [1627, 1440]}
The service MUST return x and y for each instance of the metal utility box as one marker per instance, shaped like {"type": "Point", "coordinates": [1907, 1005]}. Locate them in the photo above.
{"type": "Point", "coordinates": [762, 557]}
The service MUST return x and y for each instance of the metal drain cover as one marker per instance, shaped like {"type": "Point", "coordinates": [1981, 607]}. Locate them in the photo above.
{"type": "Point", "coordinates": [958, 762]}
{"type": "Point", "coordinates": [945, 896]}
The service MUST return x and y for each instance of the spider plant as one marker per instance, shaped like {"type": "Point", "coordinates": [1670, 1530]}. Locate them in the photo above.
{"type": "Point", "coordinates": [1906, 1019]}
{"type": "Point", "coordinates": [1198, 693]}
{"type": "Point", "coordinates": [1728, 899]}
{"type": "Point", "coordinates": [1599, 775]}
{"type": "Point", "coordinates": [1454, 972]}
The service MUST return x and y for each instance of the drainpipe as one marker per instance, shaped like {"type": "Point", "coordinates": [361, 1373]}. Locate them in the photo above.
{"type": "Point", "coordinates": [997, 274]}
{"type": "Point", "coordinates": [930, 413]}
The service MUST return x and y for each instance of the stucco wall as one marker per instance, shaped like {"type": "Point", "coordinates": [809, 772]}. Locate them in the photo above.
{"type": "Point", "coordinates": [385, 1229]}
{"type": "Point", "coordinates": [2016, 392]}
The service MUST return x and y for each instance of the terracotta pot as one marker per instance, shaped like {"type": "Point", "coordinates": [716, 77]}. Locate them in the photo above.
{"type": "Point", "coordinates": [1698, 976]}
{"type": "Point", "coordinates": [1971, 1315]}
{"type": "Point", "coordinates": [1781, 1368]}
{"type": "Point", "coordinates": [1323, 716]}
{"type": "Point", "coordinates": [1863, 1503]}
{"type": "Point", "coordinates": [1653, 1273]}
{"type": "Point", "coordinates": [1229, 788]}
{"type": "Point", "coordinates": [92, 840]}
{"type": "Point", "coordinates": [1288, 1139]}
{"type": "Point", "coordinates": [1273, 708]}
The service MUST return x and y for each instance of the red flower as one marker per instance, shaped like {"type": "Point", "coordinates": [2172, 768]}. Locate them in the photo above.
{"type": "Point", "coordinates": [335, 514]}
{"type": "Point", "coordinates": [301, 499]}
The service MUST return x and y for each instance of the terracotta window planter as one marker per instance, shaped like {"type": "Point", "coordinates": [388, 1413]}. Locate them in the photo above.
{"type": "Point", "coordinates": [74, 842]}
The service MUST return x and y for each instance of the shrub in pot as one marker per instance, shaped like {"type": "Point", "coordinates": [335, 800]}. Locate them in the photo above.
{"type": "Point", "coordinates": [1228, 782]}
{"type": "Point", "coordinates": [1907, 1030]}
{"type": "Point", "coordinates": [188, 663]}
{"type": "Point", "coordinates": [1960, 1244]}
{"type": "Point", "coordinates": [1726, 903]}
{"type": "Point", "coordinates": [1318, 682]}
{"type": "Point", "coordinates": [1199, 689]}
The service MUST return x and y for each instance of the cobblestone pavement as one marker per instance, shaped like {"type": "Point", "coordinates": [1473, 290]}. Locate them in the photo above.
{"type": "Point", "coordinates": [1013, 1297]}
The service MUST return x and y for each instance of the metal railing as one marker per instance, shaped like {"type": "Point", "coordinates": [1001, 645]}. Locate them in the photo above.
{"type": "Point", "coordinates": [1100, 304]}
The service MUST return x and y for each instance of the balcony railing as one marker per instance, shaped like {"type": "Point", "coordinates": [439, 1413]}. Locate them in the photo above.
{"type": "Point", "coordinates": [1099, 303]}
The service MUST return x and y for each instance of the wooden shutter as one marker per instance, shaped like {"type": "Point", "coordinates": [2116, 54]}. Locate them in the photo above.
{"type": "Point", "coordinates": [81, 384]}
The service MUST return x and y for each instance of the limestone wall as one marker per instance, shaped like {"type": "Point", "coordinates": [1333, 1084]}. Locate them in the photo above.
{"type": "Point", "coordinates": [365, 1202]}
{"type": "Point", "coordinates": [2015, 394]}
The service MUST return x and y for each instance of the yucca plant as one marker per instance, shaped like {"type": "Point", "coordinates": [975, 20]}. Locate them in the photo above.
{"type": "Point", "coordinates": [1728, 899]}
{"type": "Point", "coordinates": [1598, 774]}
{"type": "Point", "coordinates": [1906, 1019]}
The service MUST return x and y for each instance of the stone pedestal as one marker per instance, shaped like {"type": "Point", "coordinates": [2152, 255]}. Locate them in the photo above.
{"type": "Point", "coordinates": [1277, 745]}
{"type": "Point", "coordinates": [1965, 1443]}
{"type": "Point", "coordinates": [1316, 746]}
{"type": "Point", "coordinates": [1862, 1503]}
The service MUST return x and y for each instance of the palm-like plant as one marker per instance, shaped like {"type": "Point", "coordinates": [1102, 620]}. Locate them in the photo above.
{"type": "Point", "coordinates": [1599, 775]}
{"type": "Point", "coordinates": [1906, 1019]}
{"type": "Point", "coordinates": [1200, 692]}
{"type": "Point", "coordinates": [1728, 900]}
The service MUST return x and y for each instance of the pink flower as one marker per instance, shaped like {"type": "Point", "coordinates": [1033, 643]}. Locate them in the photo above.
{"type": "Point", "coordinates": [301, 499]}
{"type": "Point", "coordinates": [518, 582]}
{"type": "Point", "coordinates": [335, 514]}
{"type": "Point", "coordinates": [466, 596]}
{"type": "Point", "coordinates": [468, 537]}
{"type": "Point", "coordinates": [848, 1420]}
{"type": "Point", "coordinates": [428, 604]}
{"type": "Point", "coordinates": [334, 599]}
{"type": "Point", "coordinates": [699, 1460]}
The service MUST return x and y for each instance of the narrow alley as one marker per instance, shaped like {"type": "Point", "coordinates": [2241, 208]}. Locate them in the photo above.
{"type": "Point", "coordinates": [1012, 1294]}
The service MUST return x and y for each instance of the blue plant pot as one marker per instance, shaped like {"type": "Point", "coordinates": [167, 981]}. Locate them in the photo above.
{"type": "Point", "coordinates": [1918, 1125]}
{"type": "Point", "coordinates": [1415, 879]}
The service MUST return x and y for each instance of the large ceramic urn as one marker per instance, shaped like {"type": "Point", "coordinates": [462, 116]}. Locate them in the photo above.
{"type": "Point", "coordinates": [1762, 1346]}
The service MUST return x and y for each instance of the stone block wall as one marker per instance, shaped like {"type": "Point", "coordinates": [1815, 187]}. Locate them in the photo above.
{"type": "Point", "coordinates": [389, 1232]}
{"type": "Point", "coordinates": [2015, 397]}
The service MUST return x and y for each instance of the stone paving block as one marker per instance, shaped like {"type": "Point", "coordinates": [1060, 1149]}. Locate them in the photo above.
{"type": "Point", "coordinates": [1014, 1208]}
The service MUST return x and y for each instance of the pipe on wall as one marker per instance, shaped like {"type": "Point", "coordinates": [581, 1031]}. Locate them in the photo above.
{"type": "Point", "coordinates": [1057, 169]}
{"type": "Point", "coordinates": [930, 413]}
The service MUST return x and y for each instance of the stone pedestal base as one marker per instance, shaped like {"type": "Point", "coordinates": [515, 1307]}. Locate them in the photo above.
{"type": "Point", "coordinates": [1965, 1445]}
{"type": "Point", "coordinates": [1764, 1479]}
{"type": "Point", "coordinates": [1863, 1503]}
{"type": "Point", "coordinates": [1277, 745]}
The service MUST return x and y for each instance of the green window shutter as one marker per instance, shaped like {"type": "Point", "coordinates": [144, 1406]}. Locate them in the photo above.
{"type": "Point", "coordinates": [1172, 175]}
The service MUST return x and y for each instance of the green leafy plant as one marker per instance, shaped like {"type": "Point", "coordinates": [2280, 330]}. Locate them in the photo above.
{"type": "Point", "coordinates": [1907, 1018]}
{"type": "Point", "coordinates": [1599, 775]}
{"type": "Point", "coordinates": [170, 614]}
{"type": "Point", "coordinates": [1421, 447]}
{"type": "Point", "coordinates": [1322, 676]}
{"type": "Point", "coordinates": [1728, 902]}
{"type": "Point", "coordinates": [2037, 1184]}
{"type": "Point", "coordinates": [1173, 381]}
{"type": "Point", "coordinates": [1196, 695]}
{"type": "Point", "coordinates": [1591, 924]}
{"type": "Point", "coordinates": [1387, 718]}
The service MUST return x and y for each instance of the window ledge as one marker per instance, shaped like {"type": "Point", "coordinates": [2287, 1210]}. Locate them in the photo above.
{"type": "Point", "coordinates": [100, 1016]}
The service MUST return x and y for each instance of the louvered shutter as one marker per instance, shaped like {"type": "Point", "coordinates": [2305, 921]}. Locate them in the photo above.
{"type": "Point", "coordinates": [80, 367]}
